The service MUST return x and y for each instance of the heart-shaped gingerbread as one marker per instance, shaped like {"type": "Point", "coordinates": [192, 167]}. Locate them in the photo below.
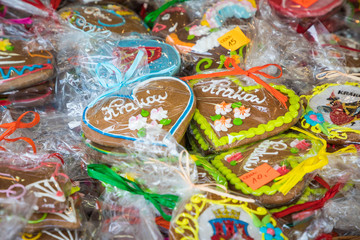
{"type": "Point", "coordinates": [282, 153]}
{"type": "Point", "coordinates": [229, 115]}
{"type": "Point", "coordinates": [163, 102]}
{"type": "Point", "coordinates": [20, 68]}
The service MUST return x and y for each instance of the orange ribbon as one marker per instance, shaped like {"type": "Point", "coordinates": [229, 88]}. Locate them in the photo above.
{"type": "Point", "coordinates": [236, 70]}
{"type": "Point", "coordinates": [11, 128]}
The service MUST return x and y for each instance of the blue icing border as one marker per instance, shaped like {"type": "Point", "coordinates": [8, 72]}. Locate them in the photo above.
{"type": "Point", "coordinates": [109, 93]}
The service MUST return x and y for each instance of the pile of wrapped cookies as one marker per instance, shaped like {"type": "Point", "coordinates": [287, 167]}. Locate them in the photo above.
{"type": "Point", "coordinates": [179, 119]}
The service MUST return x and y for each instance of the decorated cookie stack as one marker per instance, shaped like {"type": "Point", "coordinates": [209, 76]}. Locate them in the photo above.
{"type": "Point", "coordinates": [26, 76]}
{"type": "Point", "coordinates": [55, 209]}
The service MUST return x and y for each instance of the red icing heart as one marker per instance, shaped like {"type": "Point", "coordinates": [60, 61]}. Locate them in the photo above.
{"type": "Point", "coordinates": [313, 117]}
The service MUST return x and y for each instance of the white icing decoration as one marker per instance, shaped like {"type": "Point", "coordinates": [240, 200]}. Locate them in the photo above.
{"type": "Point", "coordinates": [69, 214]}
{"type": "Point", "coordinates": [218, 86]}
{"type": "Point", "coordinates": [117, 107]}
{"type": "Point", "coordinates": [223, 108]}
{"type": "Point", "coordinates": [96, 12]}
{"type": "Point", "coordinates": [158, 114]}
{"type": "Point", "coordinates": [173, 28]}
{"type": "Point", "coordinates": [5, 55]}
{"type": "Point", "coordinates": [346, 94]}
{"type": "Point", "coordinates": [47, 190]}
{"type": "Point", "coordinates": [210, 41]}
{"type": "Point", "coordinates": [62, 235]}
{"type": "Point", "coordinates": [261, 150]}
{"type": "Point", "coordinates": [8, 54]}
{"type": "Point", "coordinates": [241, 112]}
{"type": "Point", "coordinates": [222, 124]}
{"type": "Point", "coordinates": [155, 124]}
{"type": "Point", "coordinates": [165, 17]}
{"type": "Point", "coordinates": [206, 230]}
{"type": "Point", "coordinates": [136, 123]}
{"type": "Point", "coordinates": [199, 30]}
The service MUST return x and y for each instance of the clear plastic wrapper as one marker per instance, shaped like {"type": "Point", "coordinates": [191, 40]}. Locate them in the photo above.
{"type": "Point", "coordinates": [301, 56]}
{"type": "Point", "coordinates": [300, 15]}
{"type": "Point", "coordinates": [339, 214]}
{"type": "Point", "coordinates": [107, 17]}
{"type": "Point", "coordinates": [14, 214]}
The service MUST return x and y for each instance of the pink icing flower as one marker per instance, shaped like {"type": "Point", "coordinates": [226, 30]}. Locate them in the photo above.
{"type": "Point", "coordinates": [222, 124]}
{"type": "Point", "coordinates": [223, 108]}
{"type": "Point", "coordinates": [135, 123]}
{"type": "Point", "coordinates": [158, 114]}
{"type": "Point", "coordinates": [241, 112]}
{"type": "Point", "coordinates": [282, 170]}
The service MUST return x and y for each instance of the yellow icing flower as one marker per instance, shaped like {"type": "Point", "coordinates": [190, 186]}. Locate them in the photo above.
{"type": "Point", "coordinates": [5, 45]}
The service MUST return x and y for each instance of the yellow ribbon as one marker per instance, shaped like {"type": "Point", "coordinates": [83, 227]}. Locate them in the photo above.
{"type": "Point", "coordinates": [209, 187]}
{"type": "Point", "coordinates": [309, 165]}
{"type": "Point", "coordinates": [336, 74]}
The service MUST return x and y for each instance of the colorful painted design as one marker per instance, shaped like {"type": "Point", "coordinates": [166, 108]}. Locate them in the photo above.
{"type": "Point", "coordinates": [5, 45]}
{"type": "Point", "coordinates": [337, 110]}
{"type": "Point", "coordinates": [271, 233]}
{"type": "Point", "coordinates": [227, 224]}
{"type": "Point", "coordinates": [220, 219]}
{"type": "Point", "coordinates": [23, 70]}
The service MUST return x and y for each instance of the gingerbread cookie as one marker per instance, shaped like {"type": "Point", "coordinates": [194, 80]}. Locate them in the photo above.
{"type": "Point", "coordinates": [20, 68]}
{"type": "Point", "coordinates": [198, 42]}
{"type": "Point", "coordinates": [333, 112]}
{"type": "Point", "coordinates": [229, 114]}
{"type": "Point", "coordinates": [38, 95]}
{"type": "Point", "coordinates": [98, 18]}
{"type": "Point", "coordinates": [170, 21]}
{"type": "Point", "coordinates": [283, 153]}
{"type": "Point", "coordinates": [46, 181]}
{"type": "Point", "coordinates": [163, 102]}
{"type": "Point", "coordinates": [53, 234]}
{"type": "Point", "coordinates": [68, 219]}
{"type": "Point", "coordinates": [209, 217]}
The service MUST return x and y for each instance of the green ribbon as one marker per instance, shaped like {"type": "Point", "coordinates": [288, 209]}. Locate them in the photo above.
{"type": "Point", "coordinates": [151, 17]}
{"type": "Point", "coordinates": [105, 174]}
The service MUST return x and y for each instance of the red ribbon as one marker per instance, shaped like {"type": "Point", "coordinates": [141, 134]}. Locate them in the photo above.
{"type": "Point", "coordinates": [37, 3]}
{"type": "Point", "coordinates": [324, 236]}
{"type": "Point", "coordinates": [311, 206]}
{"type": "Point", "coordinates": [236, 70]}
{"type": "Point", "coordinates": [11, 128]}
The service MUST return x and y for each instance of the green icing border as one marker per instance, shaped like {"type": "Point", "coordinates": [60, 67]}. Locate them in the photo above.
{"type": "Point", "coordinates": [240, 185]}
{"type": "Point", "coordinates": [197, 135]}
{"type": "Point", "coordinates": [214, 173]}
{"type": "Point", "coordinates": [262, 128]}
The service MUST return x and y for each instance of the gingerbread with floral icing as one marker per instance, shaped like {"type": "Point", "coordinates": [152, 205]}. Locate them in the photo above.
{"type": "Point", "coordinates": [229, 114]}
{"type": "Point", "coordinates": [163, 102]}
{"type": "Point", "coordinates": [282, 153]}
